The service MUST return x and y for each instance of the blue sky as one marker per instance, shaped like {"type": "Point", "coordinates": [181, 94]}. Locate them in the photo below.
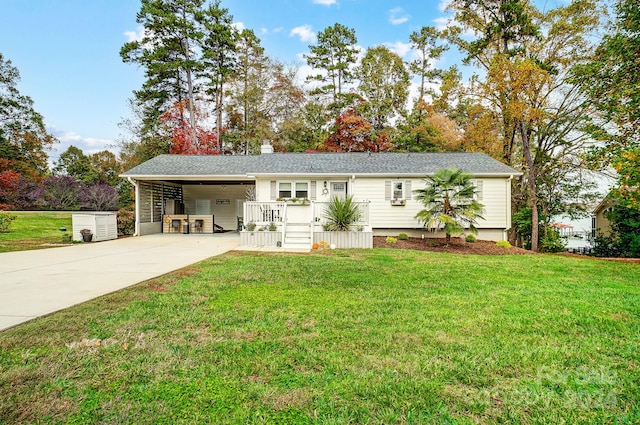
{"type": "Point", "coordinates": [67, 51]}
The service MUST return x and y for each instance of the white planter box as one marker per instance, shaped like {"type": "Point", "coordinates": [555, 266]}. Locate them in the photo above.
{"type": "Point", "coordinates": [260, 239]}
{"type": "Point", "coordinates": [362, 239]}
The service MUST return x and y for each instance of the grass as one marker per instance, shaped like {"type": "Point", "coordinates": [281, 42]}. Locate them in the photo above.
{"type": "Point", "coordinates": [36, 230]}
{"type": "Point", "coordinates": [365, 337]}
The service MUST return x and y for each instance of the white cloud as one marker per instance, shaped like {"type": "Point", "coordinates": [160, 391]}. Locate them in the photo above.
{"type": "Point", "coordinates": [88, 145]}
{"type": "Point", "coordinates": [264, 31]}
{"type": "Point", "coordinates": [239, 26]}
{"type": "Point", "coordinates": [136, 35]}
{"type": "Point", "coordinates": [400, 48]}
{"type": "Point", "coordinates": [277, 30]}
{"type": "Point", "coordinates": [442, 6]}
{"type": "Point", "coordinates": [325, 2]}
{"type": "Point", "coordinates": [304, 32]}
{"type": "Point", "coordinates": [442, 23]}
{"type": "Point", "coordinates": [397, 16]}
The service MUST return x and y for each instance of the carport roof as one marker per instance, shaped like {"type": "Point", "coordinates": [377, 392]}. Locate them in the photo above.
{"type": "Point", "coordinates": [213, 167]}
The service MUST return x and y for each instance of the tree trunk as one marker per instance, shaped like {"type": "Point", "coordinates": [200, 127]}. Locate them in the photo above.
{"type": "Point", "coordinates": [533, 196]}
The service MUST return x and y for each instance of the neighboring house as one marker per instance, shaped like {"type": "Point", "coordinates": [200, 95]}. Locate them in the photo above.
{"type": "Point", "coordinates": [600, 224]}
{"type": "Point", "coordinates": [291, 191]}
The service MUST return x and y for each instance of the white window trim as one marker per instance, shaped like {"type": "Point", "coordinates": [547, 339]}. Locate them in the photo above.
{"type": "Point", "coordinates": [293, 188]}
{"type": "Point", "coordinates": [404, 189]}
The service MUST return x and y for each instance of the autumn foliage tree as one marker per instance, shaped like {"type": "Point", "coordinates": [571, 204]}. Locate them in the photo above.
{"type": "Point", "coordinates": [353, 133]}
{"type": "Point", "coordinates": [185, 139]}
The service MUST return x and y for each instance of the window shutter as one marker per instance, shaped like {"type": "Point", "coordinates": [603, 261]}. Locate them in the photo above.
{"type": "Point", "coordinates": [407, 190]}
{"type": "Point", "coordinates": [274, 190]}
{"type": "Point", "coordinates": [479, 187]}
{"type": "Point", "coordinates": [312, 191]}
{"type": "Point", "coordinates": [387, 190]}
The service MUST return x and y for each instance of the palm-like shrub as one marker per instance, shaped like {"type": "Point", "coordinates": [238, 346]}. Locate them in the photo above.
{"type": "Point", "coordinates": [341, 214]}
{"type": "Point", "coordinates": [449, 201]}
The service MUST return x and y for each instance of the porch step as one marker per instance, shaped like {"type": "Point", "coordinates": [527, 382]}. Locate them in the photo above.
{"type": "Point", "coordinates": [297, 236]}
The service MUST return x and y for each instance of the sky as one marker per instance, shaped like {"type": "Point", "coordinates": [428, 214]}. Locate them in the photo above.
{"type": "Point", "coordinates": [67, 51]}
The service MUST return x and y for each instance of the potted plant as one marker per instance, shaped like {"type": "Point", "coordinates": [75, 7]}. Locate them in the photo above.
{"type": "Point", "coordinates": [87, 235]}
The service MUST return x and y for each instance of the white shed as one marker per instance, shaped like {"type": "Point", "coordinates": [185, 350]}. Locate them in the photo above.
{"type": "Point", "coordinates": [103, 225]}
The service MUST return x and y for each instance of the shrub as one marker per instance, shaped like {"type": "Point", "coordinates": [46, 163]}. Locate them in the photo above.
{"type": "Point", "coordinates": [403, 237]}
{"type": "Point", "coordinates": [251, 226]}
{"type": "Point", "coordinates": [341, 214]}
{"type": "Point", "coordinates": [503, 244]}
{"type": "Point", "coordinates": [606, 246]}
{"type": "Point", "coordinates": [99, 197]}
{"type": "Point", "coordinates": [552, 242]}
{"type": "Point", "coordinates": [391, 240]}
{"type": "Point", "coordinates": [126, 219]}
{"type": "Point", "coordinates": [470, 238]}
{"type": "Point", "coordinates": [5, 221]}
{"type": "Point", "coordinates": [272, 227]}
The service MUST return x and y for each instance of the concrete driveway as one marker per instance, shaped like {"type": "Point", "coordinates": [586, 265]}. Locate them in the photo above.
{"type": "Point", "coordinates": [36, 283]}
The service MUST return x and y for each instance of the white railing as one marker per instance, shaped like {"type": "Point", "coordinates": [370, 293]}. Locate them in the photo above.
{"type": "Point", "coordinates": [264, 213]}
{"type": "Point", "coordinates": [319, 218]}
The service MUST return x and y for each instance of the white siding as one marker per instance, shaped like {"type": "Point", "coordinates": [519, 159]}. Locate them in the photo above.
{"type": "Point", "coordinates": [495, 198]}
{"type": "Point", "coordinates": [383, 215]}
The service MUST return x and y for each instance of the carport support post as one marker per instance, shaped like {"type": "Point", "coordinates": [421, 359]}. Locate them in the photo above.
{"type": "Point", "coordinates": [137, 204]}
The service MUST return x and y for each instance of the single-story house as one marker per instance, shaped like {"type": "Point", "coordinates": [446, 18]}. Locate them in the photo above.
{"type": "Point", "coordinates": [280, 197]}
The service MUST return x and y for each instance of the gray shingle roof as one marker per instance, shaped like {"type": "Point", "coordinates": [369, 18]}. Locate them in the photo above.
{"type": "Point", "coordinates": [391, 163]}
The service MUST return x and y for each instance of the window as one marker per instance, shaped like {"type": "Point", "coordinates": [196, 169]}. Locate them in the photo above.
{"type": "Point", "coordinates": [397, 190]}
{"type": "Point", "coordinates": [289, 190]}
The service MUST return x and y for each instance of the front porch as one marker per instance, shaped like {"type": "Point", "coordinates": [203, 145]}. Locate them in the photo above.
{"type": "Point", "coordinates": [299, 225]}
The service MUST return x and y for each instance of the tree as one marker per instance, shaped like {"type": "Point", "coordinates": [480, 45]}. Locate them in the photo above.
{"type": "Point", "coordinates": [106, 168]}
{"type": "Point", "coordinates": [287, 111]}
{"type": "Point", "coordinates": [611, 83]}
{"type": "Point", "coordinates": [425, 130]}
{"type": "Point", "coordinates": [449, 200]}
{"type": "Point", "coordinates": [61, 193]}
{"type": "Point", "coordinates": [334, 55]}
{"type": "Point", "coordinates": [168, 52]}
{"type": "Point", "coordinates": [23, 136]}
{"type": "Point", "coordinates": [73, 162]}
{"type": "Point", "coordinates": [187, 140]}
{"type": "Point", "coordinates": [99, 197]}
{"type": "Point", "coordinates": [247, 90]}
{"type": "Point", "coordinates": [219, 60]}
{"type": "Point", "coordinates": [384, 83]}
{"type": "Point", "coordinates": [525, 56]}
{"type": "Point", "coordinates": [355, 134]}
{"type": "Point", "coordinates": [425, 44]}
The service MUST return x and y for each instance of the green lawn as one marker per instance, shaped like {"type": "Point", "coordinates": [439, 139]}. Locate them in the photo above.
{"type": "Point", "coordinates": [36, 230]}
{"type": "Point", "coordinates": [361, 337]}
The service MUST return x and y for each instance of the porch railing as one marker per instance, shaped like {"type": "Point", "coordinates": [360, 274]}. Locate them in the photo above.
{"type": "Point", "coordinates": [264, 213]}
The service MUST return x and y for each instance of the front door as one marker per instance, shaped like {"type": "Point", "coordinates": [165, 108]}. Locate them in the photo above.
{"type": "Point", "coordinates": [339, 189]}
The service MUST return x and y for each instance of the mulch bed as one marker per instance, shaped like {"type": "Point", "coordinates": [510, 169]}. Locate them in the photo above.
{"type": "Point", "coordinates": [456, 246]}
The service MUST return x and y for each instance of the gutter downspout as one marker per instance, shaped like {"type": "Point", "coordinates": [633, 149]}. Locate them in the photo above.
{"type": "Point", "coordinates": [505, 235]}
{"type": "Point", "coordinates": [137, 204]}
